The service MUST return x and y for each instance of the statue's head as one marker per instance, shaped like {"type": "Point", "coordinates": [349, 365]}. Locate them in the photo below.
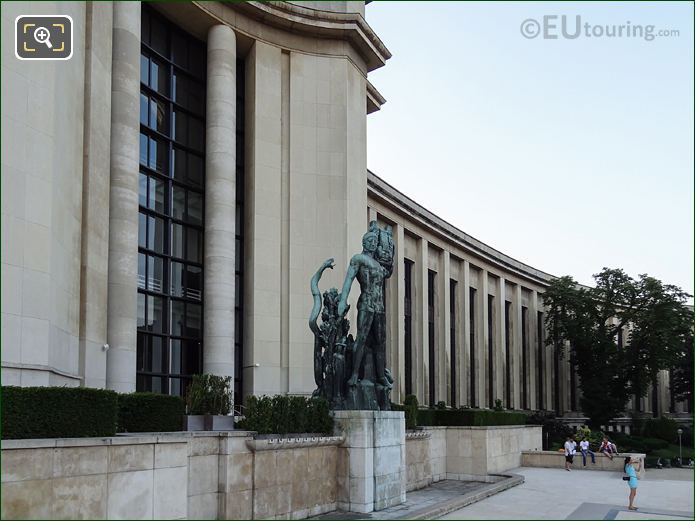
{"type": "Point", "coordinates": [370, 241]}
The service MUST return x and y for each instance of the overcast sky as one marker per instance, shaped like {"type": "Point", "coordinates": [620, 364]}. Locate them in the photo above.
{"type": "Point", "coordinates": [566, 154]}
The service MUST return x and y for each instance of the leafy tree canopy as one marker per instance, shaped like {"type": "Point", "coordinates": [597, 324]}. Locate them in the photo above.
{"type": "Point", "coordinates": [620, 333]}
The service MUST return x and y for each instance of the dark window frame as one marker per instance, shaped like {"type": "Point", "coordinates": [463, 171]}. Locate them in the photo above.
{"type": "Point", "coordinates": [432, 342]}
{"type": "Point", "coordinates": [189, 339]}
{"type": "Point", "coordinates": [408, 324]}
{"type": "Point", "coordinates": [472, 293]}
{"type": "Point", "coordinates": [452, 339]}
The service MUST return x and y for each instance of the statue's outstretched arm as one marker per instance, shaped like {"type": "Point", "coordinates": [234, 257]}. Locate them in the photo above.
{"type": "Point", "coordinates": [329, 263]}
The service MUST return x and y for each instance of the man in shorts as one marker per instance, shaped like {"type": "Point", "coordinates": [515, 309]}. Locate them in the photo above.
{"type": "Point", "coordinates": [570, 450]}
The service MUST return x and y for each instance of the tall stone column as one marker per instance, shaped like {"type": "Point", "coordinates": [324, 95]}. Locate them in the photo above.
{"type": "Point", "coordinates": [396, 303]}
{"type": "Point", "coordinates": [532, 346]}
{"type": "Point", "coordinates": [220, 202]}
{"type": "Point", "coordinates": [516, 357]}
{"type": "Point", "coordinates": [466, 345]}
{"type": "Point", "coordinates": [483, 361]}
{"type": "Point", "coordinates": [421, 359]}
{"type": "Point", "coordinates": [123, 199]}
{"type": "Point", "coordinates": [500, 373]}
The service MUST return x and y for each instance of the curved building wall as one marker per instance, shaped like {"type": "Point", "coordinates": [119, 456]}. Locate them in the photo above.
{"type": "Point", "coordinates": [466, 321]}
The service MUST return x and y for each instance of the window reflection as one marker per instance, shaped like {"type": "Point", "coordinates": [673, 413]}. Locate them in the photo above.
{"type": "Point", "coordinates": [170, 197]}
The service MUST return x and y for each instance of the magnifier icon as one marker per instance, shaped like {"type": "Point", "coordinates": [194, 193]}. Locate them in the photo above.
{"type": "Point", "coordinates": [42, 35]}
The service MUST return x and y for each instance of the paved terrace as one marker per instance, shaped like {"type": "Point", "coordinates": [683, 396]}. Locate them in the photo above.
{"type": "Point", "coordinates": [546, 494]}
{"type": "Point", "coordinates": [557, 494]}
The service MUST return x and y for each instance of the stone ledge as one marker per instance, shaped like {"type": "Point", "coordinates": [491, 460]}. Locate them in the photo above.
{"type": "Point", "coordinates": [126, 438]}
{"type": "Point", "coordinates": [293, 443]}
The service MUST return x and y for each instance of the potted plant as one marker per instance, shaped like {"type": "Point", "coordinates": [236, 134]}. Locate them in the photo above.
{"type": "Point", "coordinates": [208, 404]}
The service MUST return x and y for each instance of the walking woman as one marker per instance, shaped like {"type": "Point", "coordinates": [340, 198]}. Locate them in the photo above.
{"type": "Point", "coordinates": [632, 480]}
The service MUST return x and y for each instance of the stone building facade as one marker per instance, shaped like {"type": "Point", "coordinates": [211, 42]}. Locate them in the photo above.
{"type": "Point", "coordinates": [168, 192]}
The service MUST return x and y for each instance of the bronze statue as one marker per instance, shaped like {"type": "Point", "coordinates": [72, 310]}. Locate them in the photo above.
{"type": "Point", "coordinates": [336, 354]}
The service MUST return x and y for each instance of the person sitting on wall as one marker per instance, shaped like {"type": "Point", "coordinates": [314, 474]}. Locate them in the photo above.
{"type": "Point", "coordinates": [608, 448]}
{"type": "Point", "coordinates": [584, 447]}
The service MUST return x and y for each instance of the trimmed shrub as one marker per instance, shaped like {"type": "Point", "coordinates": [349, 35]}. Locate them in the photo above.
{"type": "Point", "coordinates": [209, 394]}
{"type": "Point", "coordinates": [149, 412]}
{"type": "Point", "coordinates": [554, 430]}
{"type": "Point", "coordinates": [426, 417]}
{"type": "Point", "coordinates": [319, 417]}
{"type": "Point", "coordinates": [469, 417]}
{"type": "Point", "coordinates": [58, 412]}
{"type": "Point", "coordinates": [661, 428]}
{"type": "Point", "coordinates": [287, 414]}
{"type": "Point", "coordinates": [651, 444]}
{"type": "Point", "coordinates": [410, 406]}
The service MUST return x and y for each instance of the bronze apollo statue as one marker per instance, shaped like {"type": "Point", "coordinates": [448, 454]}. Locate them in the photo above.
{"type": "Point", "coordinates": [351, 372]}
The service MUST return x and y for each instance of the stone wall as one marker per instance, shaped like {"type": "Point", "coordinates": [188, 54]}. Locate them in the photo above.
{"type": "Point", "coordinates": [231, 475]}
{"type": "Point", "coordinates": [417, 460]}
{"type": "Point", "coordinates": [225, 475]}
{"type": "Point", "coordinates": [465, 453]}
{"type": "Point", "coordinates": [112, 478]}
{"type": "Point", "coordinates": [438, 452]}
{"type": "Point", "coordinates": [476, 452]}
{"type": "Point", "coordinates": [556, 459]}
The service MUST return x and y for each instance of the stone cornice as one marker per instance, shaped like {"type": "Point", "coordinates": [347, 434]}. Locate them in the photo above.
{"type": "Point", "coordinates": [374, 98]}
{"type": "Point", "coordinates": [401, 202]}
{"type": "Point", "coordinates": [323, 24]}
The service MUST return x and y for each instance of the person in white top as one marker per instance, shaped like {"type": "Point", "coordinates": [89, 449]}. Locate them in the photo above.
{"type": "Point", "coordinates": [584, 447]}
{"type": "Point", "coordinates": [570, 451]}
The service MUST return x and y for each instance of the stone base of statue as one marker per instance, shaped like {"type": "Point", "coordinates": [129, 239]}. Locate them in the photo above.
{"type": "Point", "coordinates": [371, 461]}
{"type": "Point", "coordinates": [362, 396]}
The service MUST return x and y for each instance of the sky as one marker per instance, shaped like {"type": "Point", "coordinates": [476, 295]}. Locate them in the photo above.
{"type": "Point", "coordinates": [566, 154]}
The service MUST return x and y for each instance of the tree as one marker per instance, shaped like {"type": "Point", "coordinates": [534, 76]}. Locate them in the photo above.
{"type": "Point", "coordinates": [648, 316]}
{"type": "Point", "coordinates": [682, 375]}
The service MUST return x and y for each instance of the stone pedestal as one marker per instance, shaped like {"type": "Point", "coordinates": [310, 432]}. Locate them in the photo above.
{"type": "Point", "coordinates": [371, 461]}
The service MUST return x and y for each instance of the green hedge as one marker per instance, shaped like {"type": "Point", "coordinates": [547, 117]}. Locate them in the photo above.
{"type": "Point", "coordinates": [468, 417]}
{"type": "Point", "coordinates": [149, 412]}
{"type": "Point", "coordinates": [287, 414]}
{"type": "Point", "coordinates": [58, 412]}
{"type": "Point", "coordinates": [661, 428]}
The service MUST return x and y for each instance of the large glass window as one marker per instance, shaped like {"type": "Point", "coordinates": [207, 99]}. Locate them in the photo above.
{"type": "Point", "coordinates": [171, 200]}
{"type": "Point", "coordinates": [524, 358]}
{"type": "Point", "coordinates": [471, 332]}
{"type": "Point", "coordinates": [540, 337]}
{"type": "Point", "coordinates": [431, 281]}
{"type": "Point", "coordinates": [239, 236]}
{"type": "Point", "coordinates": [452, 339]}
{"type": "Point", "coordinates": [490, 351]}
{"type": "Point", "coordinates": [507, 354]}
{"type": "Point", "coordinates": [408, 306]}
